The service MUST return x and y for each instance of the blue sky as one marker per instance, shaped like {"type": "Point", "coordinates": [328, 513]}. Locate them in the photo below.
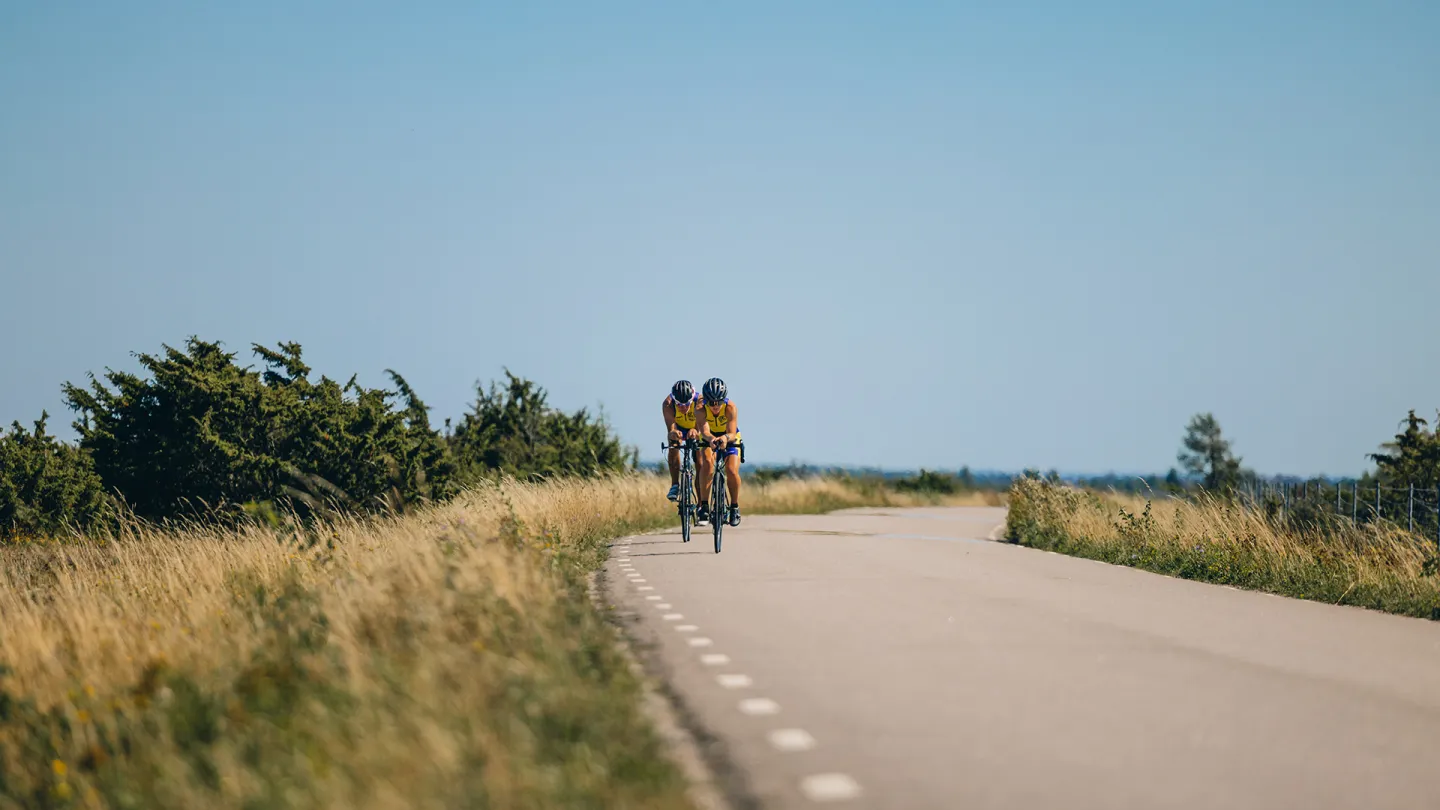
{"type": "Point", "coordinates": [905, 234]}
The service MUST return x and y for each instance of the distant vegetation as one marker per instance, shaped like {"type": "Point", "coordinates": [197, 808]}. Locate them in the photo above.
{"type": "Point", "coordinates": [199, 434]}
{"type": "Point", "coordinates": [1378, 565]}
{"type": "Point", "coordinates": [934, 482]}
{"type": "Point", "coordinates": [1369, 541]}
{"type": "Point", "coordinates": [1401, 489]}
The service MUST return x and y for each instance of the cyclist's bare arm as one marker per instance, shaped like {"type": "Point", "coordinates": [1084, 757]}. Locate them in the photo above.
{"type": "Point", "coordinates": [670, 427]}
{"type": "Point", "coordinates": [731, 428]}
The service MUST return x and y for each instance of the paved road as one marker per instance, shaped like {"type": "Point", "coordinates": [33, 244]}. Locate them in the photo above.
{"type": "Point", "coordinates": [896, 659]}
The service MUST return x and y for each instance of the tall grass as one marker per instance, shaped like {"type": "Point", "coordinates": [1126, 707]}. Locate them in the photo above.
{"type": "Point", "coordinates": [1378, 566]}
{"type": "Point", "coordinates": [446, 658]}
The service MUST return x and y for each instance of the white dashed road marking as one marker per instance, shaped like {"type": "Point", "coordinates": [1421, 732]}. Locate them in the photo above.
{"type": "Point", "coordinates": [756, 707]}
{"type": "Point", "coordinates": [791, 739]}
{"type": "Point", "coordinates": [823, 787]}
{"type": "Point", "coordinates": [829, 787]}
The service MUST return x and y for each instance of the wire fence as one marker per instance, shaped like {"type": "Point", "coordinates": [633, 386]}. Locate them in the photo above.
{"type": "Point", "coordinates": [1415, 508]}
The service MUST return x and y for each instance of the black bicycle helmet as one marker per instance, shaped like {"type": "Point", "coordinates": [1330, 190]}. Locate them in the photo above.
{"type": "Point", "coordinates": [682, 391]}
{"type": "Point", "coordinates": [714, 391]}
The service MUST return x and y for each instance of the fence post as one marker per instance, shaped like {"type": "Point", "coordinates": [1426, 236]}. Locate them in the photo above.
{"type": "Point", "coordinates": [1338, 487]}
{"type": "Point", "coordinates": [1355, 502]}
{"type": "Point", "coordinates": [1437, 520]}
{"type": "Point", "coordinates": [1377, 498]}
{"type": "Point", "coordinates": [1412, 508]}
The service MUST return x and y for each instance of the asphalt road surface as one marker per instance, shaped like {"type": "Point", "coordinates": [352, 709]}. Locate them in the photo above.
{"type": "Point", "coordinates": [896, 658]}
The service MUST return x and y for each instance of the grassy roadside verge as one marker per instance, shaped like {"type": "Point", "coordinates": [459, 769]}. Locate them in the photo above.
{"type": "Point", "coordinates": [447, 658]}
{"type": "Point", "coordinates": [1374, 566]}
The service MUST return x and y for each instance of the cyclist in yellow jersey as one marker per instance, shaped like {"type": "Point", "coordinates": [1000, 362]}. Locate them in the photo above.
{"type": "Point", "coordinates": [680, 409]}
{"type": "Point", "coordinates": [720, 429]}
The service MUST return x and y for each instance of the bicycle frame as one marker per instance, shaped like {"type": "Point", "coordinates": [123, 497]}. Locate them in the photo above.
{"type": "Point", "coordinates": [719, 494]}
{"type": "Point", "coordinates": [686, 506]}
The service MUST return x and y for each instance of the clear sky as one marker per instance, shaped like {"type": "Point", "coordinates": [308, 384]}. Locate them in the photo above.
{"type": "Point", "coordinates": [1030, 233]}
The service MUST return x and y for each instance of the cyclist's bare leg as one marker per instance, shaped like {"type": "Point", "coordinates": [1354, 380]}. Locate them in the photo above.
{"type": "Point", "coordinates": [704, 472]}
{"type": "Point", "coordinates": [732, 478]}
{"type": "Point", "coordinates": [674, 458]}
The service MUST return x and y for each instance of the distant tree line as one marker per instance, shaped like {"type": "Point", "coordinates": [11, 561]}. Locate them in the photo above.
{"type": "Point", "coordinates": [938, 482]}
{"type": "Point", "coordinates": [198, 433]}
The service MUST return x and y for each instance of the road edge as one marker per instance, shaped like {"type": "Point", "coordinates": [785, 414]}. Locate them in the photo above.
{"type": "Point", "coordinates": [715, 782]}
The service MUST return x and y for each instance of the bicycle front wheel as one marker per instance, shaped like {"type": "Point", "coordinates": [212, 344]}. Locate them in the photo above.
{"type": "Point", "coordinates": [717, 508]}
{"type": "Point", "coordinates": [687, 508]}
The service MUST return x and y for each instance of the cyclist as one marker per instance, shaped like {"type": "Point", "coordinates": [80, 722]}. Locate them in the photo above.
{"type": "Point", "coordinates": [720, 430]}
{"type": "Point", "coordinates": [680, 409]}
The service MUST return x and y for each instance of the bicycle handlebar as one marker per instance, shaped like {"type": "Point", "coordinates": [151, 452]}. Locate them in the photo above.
{"type": "Point", "coordinates": [694, 444]}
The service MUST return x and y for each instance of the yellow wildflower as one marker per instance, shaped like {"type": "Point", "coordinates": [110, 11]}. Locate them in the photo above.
{"type": "Point", "coordinates": [59, 768]}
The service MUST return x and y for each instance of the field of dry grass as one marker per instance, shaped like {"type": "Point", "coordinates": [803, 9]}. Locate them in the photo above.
{"type": "Point", "coordinates": [447, 658]}
{"type": "Point", "coordinates": [1379, 566]}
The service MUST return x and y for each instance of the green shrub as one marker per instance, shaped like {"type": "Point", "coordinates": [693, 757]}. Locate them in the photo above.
{"type": "Point", "coordinates": [514, 431]}
{"type": "Point", "coordinates": [46, 486]}
{"type": "Point", "coordinates": [202, 432]}
{"type": "Point", "coordinates": [928, 482]}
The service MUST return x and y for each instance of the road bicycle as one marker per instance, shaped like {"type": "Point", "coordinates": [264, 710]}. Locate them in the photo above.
{"type": "Point", "coordinates": [685, 502]}
{"type": "Point", "coordinates": [718, 493]}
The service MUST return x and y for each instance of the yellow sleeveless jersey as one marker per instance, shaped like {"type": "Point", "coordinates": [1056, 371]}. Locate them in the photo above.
{"type": "Point", "coordinates": [684, 417]}
{"type": "Point", "coordinates": [718, 422]}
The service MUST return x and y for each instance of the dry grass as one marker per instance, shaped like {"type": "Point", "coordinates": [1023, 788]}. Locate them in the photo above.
{"type": "Point", "coordinates": [442, 659]}
{"type": "Point", "coordinates": [1378, 566]}
{"type": "Point", "coordinates": [811, 496]}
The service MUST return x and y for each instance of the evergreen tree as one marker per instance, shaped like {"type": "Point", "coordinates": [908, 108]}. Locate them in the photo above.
{"type": "Point", "coordinates": [1206, 453]}
{"type": "Point", "coordinates": [967, 478]}
{"type": "Point", "coordinates": [1173, 483]}
{"type": "Point", "coordinates": [1412, 457]}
